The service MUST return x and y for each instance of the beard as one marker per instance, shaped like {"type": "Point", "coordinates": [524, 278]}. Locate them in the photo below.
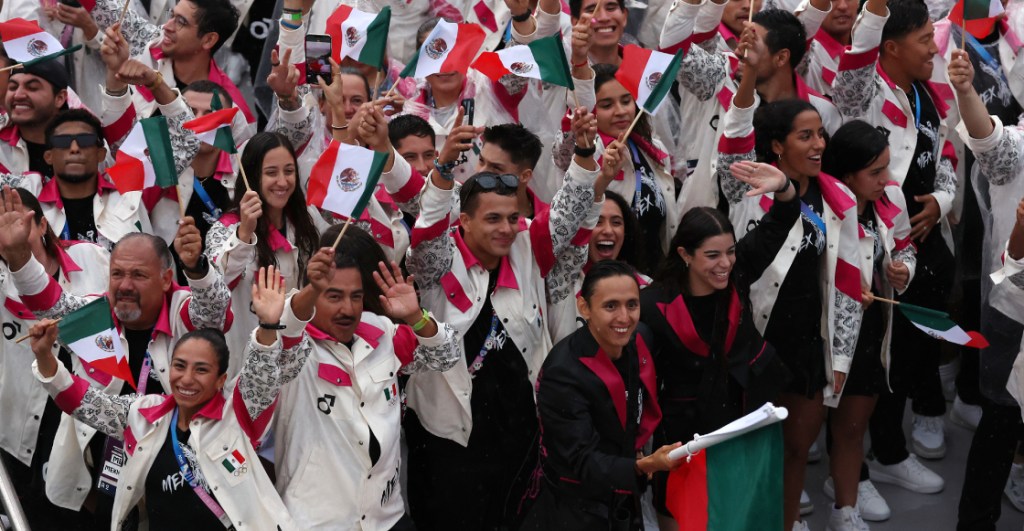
{"type": "Point", "coordinates": [127, 310]}
{"type": "Point", "coordinates": [75, 179]}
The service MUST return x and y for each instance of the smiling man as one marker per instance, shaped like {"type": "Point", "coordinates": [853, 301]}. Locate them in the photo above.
{"type": "Point", "coordinates": [34, 95]}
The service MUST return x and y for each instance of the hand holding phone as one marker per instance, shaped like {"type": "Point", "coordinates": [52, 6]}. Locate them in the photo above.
{"type": "Point", "coordinates": [318, 58]}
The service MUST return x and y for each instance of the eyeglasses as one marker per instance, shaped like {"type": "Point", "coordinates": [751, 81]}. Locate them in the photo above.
{"type": "Point", "coordinates": [179, 21]}
{"type": "Point", "coordinates": [84, 140]}
{"type": "Point", "coordinates": [492, 181]}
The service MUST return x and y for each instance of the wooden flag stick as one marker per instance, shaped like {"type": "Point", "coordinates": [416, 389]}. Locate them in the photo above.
{"type": "Point", "coordinates": [392, 89]}
{"type": "Point", "coordinates": [376, 86]}
{"type": "Point", "coordinates": [635, 121]}
{"type": "Point", "coordinates": [750, 20]}
{"type": "Point", "coordinates": [12, 67]}
{"type": "Point", "coordinates": [344, 228]}
{"type": "Point", "coordinates": [124, 11]}
{"type": "Point", "coordinates": [241, 169]}
{"type": "Point", "coordinates": [26, 336]}
{"type": "Point", "coordinates": [963, 37]}
{"type": "Point", "coordinates": [181, 199]}
{"type": "Point", "coordinates": [576, 101]}
{"type": "Point", "coordinates": [880, 299]}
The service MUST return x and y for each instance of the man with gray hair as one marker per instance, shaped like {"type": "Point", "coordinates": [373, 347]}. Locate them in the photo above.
{"type": "Point", "coordinates": [150, 311]}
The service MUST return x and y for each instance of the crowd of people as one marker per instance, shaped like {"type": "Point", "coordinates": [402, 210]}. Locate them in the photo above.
{"type": "Point", "coordinates": [550, 288]}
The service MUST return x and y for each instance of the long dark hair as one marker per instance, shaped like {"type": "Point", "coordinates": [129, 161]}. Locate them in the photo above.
{"type": "Point", "coordinates": [51, 243]}
{"type": "Point", "coordinates": [697, 225]}
{"type": "Point", "coordinates": [774, 121]}
{"type": "Point", "coordinates": [358, 249]}
{"type": "Point", "coordinates": [630, 231]}
{"type": "Point", "coordinates": [855, 146]}
{"type": "Point", "coordinates": [306, 235]}
{"type": "Point", "coordinates": [604, 73]}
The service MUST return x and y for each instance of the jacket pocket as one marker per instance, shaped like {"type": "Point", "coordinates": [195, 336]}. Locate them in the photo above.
{"type": "Point", "coordinates": [334, 395]}
{"type": "Point", "coordinates": [454, 292]}
{"type": "Point", "coordinates": [230, 460]}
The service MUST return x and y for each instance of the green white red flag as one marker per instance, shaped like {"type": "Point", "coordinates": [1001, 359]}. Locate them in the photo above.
{"type": "Point", "coordinates": [145, 159]}
{"type": "Point", "coordinates": [215, 128]}
{"type": "Point", "coordinates": [344, 178]}
{"type": "Point", "coordinates": [24, 40]}
{"type": "Point", "coordinates": [360, 35]}
{"type": "Point", "coordinates": [90, 333]}
{"type": "Point", "coordinates": [938, 325]}
{"type": "Point", "coordinates": [648, 75]}
{"type": "Point", "coordinates": [450, 47]}
{"type": "Point", "coordinates": [542, 59]}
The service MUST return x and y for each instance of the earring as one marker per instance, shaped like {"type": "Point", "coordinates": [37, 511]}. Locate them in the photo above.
{"type": "Point", "coordinates": [686, 264]}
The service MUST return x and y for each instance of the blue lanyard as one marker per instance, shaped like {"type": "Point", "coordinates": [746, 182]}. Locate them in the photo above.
{"type": "Point", "coordinates": [508, 32]}
{"type": "Point", "coordinates": [197, 187]}
{"type": "Point", "coordinates": [186, 472]}
{"type": "Point", "coordinates": [636, 168]}
{"type": "Point", "coordinates": [985, 56]}
{"type": "Point", "coordinates": [65, 233]}
{"type": "Point", "coordinates": [813, 216]}
{"type": "Point", "coordinates": [917, 106]}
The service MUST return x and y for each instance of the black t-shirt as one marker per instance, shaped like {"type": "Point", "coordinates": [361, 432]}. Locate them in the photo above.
{"type": "Point", "coordinates": [138, 345]}
{"type": "Point", "coordinates": [171, 503]}
{"type": "Point", "coordinates": [649, 206]}
{"type": "Point", "coordinates": [48, 425]}
{"type": "Point", "coordinates": [81, 224]}
{"type": "Point", "coordinates": [797, 313]}
{"type": "Point", "coordinates": [36, 161]}
{"type": "Point", "coordinates": [629, 370]}
{"type": "Point", "coordinates": [502, 404]}
{"type": "Point", "coordinates": [921, 174]}
{"type": "Point", "coordinates": [990, 80]}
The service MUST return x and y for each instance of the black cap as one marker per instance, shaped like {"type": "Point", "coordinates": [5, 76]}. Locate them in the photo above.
{"type": "Point", "coordinates": [51, 70]}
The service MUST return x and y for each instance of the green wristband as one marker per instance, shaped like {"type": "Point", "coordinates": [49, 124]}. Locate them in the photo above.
{"type": "Point", "coordinates": [422, 323]}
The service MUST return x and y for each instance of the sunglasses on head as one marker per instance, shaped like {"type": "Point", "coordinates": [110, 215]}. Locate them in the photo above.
{"type": "Point", "coordinates": [492, 181]}
{"type": "Point", "coordinates": [84, 140]}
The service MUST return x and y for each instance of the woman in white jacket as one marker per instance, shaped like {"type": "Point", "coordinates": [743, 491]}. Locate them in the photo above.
{"type": "Point", "coordinates": [192, 454]}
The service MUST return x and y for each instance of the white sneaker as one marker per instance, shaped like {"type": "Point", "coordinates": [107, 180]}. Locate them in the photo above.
{"type": "Point", "coordinates": [1015, 486]}
{"type": "Point", "coordinates": [814, 453]}
{"type": "Point", "coordinates": [947, 378]}
{"type": "Point", "coordinates": [846, 519]}
{"type": "Point", "coordinates": [929, 437]}
{"type": "Point", "coordinates": [806, 507]}
{"type": "Point", "coordinates": [800, 525]}
{"type": "Point", "coordinates": [870, 503]}
{"type": "Point", "coordinates": [909, 474]}
{"type": "Point", "coordinates": [965, 415]}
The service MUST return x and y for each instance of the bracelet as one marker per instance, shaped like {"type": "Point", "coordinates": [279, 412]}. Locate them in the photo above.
{"type": "Point", "coordinates": [784, 188]}
{"type": "Point", "coordinates": [290, 26]}
{"type": "Point", "coordinates": [118, 94]}
{"type": "Point", "coordinates": [159, 79]}
{"type": "Point", "coordinates": [445, 170]}
{"type": "Point", "coordinates": [339, 127]}
{"type": "Point", "coordinates": [581, 65]}
{"type": "Point", "coordinates": [422, 323]}
{"type": "Point", "coordinates": [202, 266]}
{"type": "Point", "coordinates": [584, 151]}
{"type": "Point", "coordinates": [522, 18]}
{"type": "Point", "coordinates": [290, 10]}
{"type": "Point", "coordinates": [272, 326]}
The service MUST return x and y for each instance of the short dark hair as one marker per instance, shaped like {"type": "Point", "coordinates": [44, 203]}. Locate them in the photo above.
{"type": "Point", "coordinates": [469, 195]}
{"type": "Point", "coordinates": [785, 32]}
{"type": "Point", "coordinates": [357, 249]}
{"type": "Point", "coordinates": [602, 270]}
{"type": "Point", "coordinates": [905, 16]}
{"type": "Point", "coordinates": [216, 16]}
{"type": "Point", "coordinates": [854, 146]}
{"type": "Point", "coordinates": [522, 146]}
{"type": "Point", "coordinates": [75, 115]}
{"type": "Point", "coordinates": [163, 253]}
{"type": "Point", "coordinates": [424, 30]}
{"type": "Point", "coordinates": [576, 6]}
{"type": "Point", "coordinates": [409, 125]}
{"type": "Point", "coordinates": [217, 342]}
{"type": "Point", "coordinates": [774, 121]}
{"type": "Point", "coordinates": [205, 86]}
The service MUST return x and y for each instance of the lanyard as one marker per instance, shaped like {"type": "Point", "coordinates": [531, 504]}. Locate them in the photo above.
{"type": "Point", "coordinates": [636, 168]}
{"type": "Point", "coordinates": [917, 106]}
{"type": "Point", "coordinates": [147, 366]}
{"type": "Point", "coordinates": [65, 233]}
{"type": "Point", "coordinates": [186, 472]}
{"type": "Point", "coordinates": [489, 343]}
{"type": "Point", "coordinates": [985, 56]}
{"type": "Point", "coordinates": [197, 187]}
{"type": "Point", "coordinates": [813, 216]}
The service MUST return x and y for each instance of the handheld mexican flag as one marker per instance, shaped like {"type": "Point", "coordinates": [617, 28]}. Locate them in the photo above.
{"type": "Point", "coordinates": [215, 128]}
{"type": "Point", "coordinates": [542, 59]}
{"type": "Point", "coordinates": [24, 40]}
{"type": "Point", "coordinates": [89, 331]}
{"type": "Point", "coordinates": [344, 178]}
{"type": "Point", "coordinates": [938, 325]}
{"type": "Point", "coordinates": [648, 75]}
{"type": "Point", "coordinates": [360, 35]}
{"type": "Point", "coordinates": [145, 159]}
{"type": "Point", "coordinates": [975, 10]}
{"type": "Point", "coordinates": [449, 48]}
{"type": "Point", "coordinates": [735, 484]}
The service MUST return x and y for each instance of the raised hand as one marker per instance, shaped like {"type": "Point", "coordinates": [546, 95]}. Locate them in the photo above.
{"type": "Point", "coordinates": [249, 210]}
{"type": "Point", "coordinates": [15, 227]}
{"type": "Point", "coordinates": [114, 51]}
{"type": "Point", "coordinates": [283, 79]}
{"type": "Point", "coordinates": [373, 128]}
{"type": "Point", "coordinates": [268, 295]}
{"type": "Point", "coordinates": [459, 140]}
{"type": "Point", "coordinates": [582, 37]}
{"type": "Point", "coordinates": [584, 126]}
{"type": "Point", "coordinates": [961, 72]}
{"type": "Point", "coordinates": [763, 178]}
{"type": "Point", "coordinates": [74, 16]}
{"type": "Point", "coordinates": [134, 72]}
{"type": "Point", "coordinates": [320, 269]}
{"type": "Point", "coordinates": [398, 296]}
{"type": "Point", "coordinates": [750, 48]}
{"type": "Point", "coordinates": [612, 159]}
{"type": "Point", "coordinates": [188, 242]}
{"type": "Point", "coordinates": [44, 335]}
{"type": "Point", "coordinates": [335, 94]}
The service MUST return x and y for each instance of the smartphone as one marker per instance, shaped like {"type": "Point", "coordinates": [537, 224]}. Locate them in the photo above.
{"type": "Point", "coordinates": [467, 115]}
{"type": "Point", "coordinates": [72, 3]}
{"type": "Point", "coordinates": [318, 58]}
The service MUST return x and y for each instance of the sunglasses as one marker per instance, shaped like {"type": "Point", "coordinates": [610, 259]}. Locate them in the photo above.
{"type": "Point", "coordinates": [84, 140]}
{"type": "Point", "coordinates": [492, 181]}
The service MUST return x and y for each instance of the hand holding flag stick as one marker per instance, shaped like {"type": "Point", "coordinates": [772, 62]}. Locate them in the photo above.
{"type": "Point", "coordinates": [768, 414]}
{"type": "Point", "coordinates": [124, 11]}
{"type": "Point", "coordinates": [46, 324]}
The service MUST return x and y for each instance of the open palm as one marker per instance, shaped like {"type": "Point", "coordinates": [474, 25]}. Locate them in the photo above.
{"type": "Point", "coordinates": [398, 296]}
